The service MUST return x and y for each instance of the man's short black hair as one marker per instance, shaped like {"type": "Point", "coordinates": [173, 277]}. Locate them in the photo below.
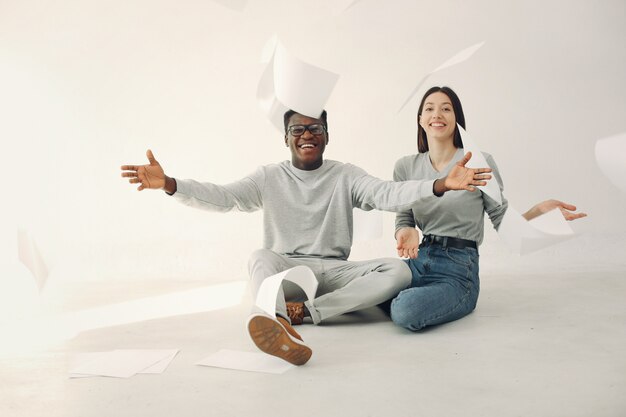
{"type": "Point", "coordinates": [289, 113]}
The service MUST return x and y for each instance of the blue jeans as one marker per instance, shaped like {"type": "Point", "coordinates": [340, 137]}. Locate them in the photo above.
{"type": "Point", "coordinates": [444, 287]}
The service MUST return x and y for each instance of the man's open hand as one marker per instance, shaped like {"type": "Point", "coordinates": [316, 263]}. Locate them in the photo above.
{"type": "Point", "coordinates": [148, 176]}
{"type": "Point", "coordinates": [462, 178]}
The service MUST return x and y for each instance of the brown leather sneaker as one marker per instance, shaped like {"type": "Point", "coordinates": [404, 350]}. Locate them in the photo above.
{"type": "Point", "coordinates": [289, 329]}
{"type": "Point", "coordinates": [295, 311]}
{"type": "Point", "coordinates": [277, 338]}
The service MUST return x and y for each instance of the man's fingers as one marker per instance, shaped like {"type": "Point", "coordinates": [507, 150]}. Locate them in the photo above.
{"type": "Point", "coordinates": [465, 159]}
{"type": "Point", "coordinates": [151, 158]}
{"type": "Point", "coordinates": [129, 174]}
{"type": "Point", "coordinates": [129, 167]}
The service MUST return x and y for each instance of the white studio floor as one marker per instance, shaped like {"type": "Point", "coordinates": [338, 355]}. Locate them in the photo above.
{"type": "Point", "coordinates": [539, 344]}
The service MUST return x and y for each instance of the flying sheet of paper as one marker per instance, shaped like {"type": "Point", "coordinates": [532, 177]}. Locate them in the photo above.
{"type": "Point", "coordinates": [464, 55]}
{"type": "Point", "coordinates": [28, 253]}
{"type": "Point", "coordinates": [340, 6]}
{"type": "Point", "coordinates": [492, 189]}
{"type": "Point", "coordinates": [246, 361]}
{"type": "Point", "coordinates": [267, 54]}
{"type": "Point", "coordinates": [122, 363]}
{"type": "Point", "coordinates": [300, 275]}
{"type": "Point", "coordinates": [524, 236]}
{"type": "Point", "coordinates": [288, 83]}
{"type": "Point", "coordinates": [611, 158]}
{"type": "Point", "coordinates": [237, 5]}
{"type": "Point", "coordinates": [367, 225]}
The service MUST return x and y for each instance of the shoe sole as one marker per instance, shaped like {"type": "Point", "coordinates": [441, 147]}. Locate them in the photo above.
{"type": "Point", "coordinates": [272, 338]}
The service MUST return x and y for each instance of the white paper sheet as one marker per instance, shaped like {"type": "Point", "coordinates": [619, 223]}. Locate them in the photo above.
{"type": "Point", "coordinates": [611, 158]}
{"type": "Point", "coordinates": [161, 366]}
{"type": "Point", "coordinates": [246, 361]}
{"type": "Point", "coordinates": [121, 363]}
{"type": "Point", "coordinates": [267, 54]}
{"type": "Point", "coordinates": [288, 83]}
{"type": "Point", "coordinates": [492, 189]}
{"type": "Point", "coordinates": [340, 6]}
{"type": "Point", "coordinates": [524, 237]}
{"type": "Point", "coordinates": [28, 253]}
{"type": "Point", "coordinates": [300, 275]}
{"type": "Point", "coordinates": [464, 55]}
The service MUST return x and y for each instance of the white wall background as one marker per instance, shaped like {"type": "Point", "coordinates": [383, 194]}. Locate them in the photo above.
{"type": "Point", "coordinates": [88, 85]}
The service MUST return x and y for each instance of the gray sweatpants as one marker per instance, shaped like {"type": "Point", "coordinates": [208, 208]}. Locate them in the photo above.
{"type": "Point", "coordinates": [344, 286]}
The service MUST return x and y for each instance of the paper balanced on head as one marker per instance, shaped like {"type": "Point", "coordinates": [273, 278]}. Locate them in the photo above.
{"type": "Point", "coordinates": [288, 83]}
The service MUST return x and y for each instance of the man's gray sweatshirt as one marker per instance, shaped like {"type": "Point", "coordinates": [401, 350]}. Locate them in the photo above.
{"type": "Point", "coordinates": [306, 213]}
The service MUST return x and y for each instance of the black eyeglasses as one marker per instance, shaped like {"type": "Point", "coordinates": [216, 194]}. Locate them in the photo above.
{"type": "Point", "coordinates": [298, 130]}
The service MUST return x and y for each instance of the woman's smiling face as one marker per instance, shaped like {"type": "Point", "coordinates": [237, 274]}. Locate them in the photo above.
{"type": "Point", "coordinates": [437, 118]}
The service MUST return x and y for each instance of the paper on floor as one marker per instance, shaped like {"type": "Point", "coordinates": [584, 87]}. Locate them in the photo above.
{"type": "Point", "coordinates": [289, 83]}
{"type": "Point", "coordinates": [492, 189]}
{"type": "Point", "coordinates": [464, 55]}
{"type": "Point", "coordinates": [246, 361]}
{"type": "Point", "coordinates": [122, 363]}
{"type": "Point", "coordinates": [523, 236]}
{"type": "Point", "coordinates": [611, 158]}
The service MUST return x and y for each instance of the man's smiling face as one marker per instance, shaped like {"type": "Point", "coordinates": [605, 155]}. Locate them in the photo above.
{"type": "Point", "coordinates": [307, 149]}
